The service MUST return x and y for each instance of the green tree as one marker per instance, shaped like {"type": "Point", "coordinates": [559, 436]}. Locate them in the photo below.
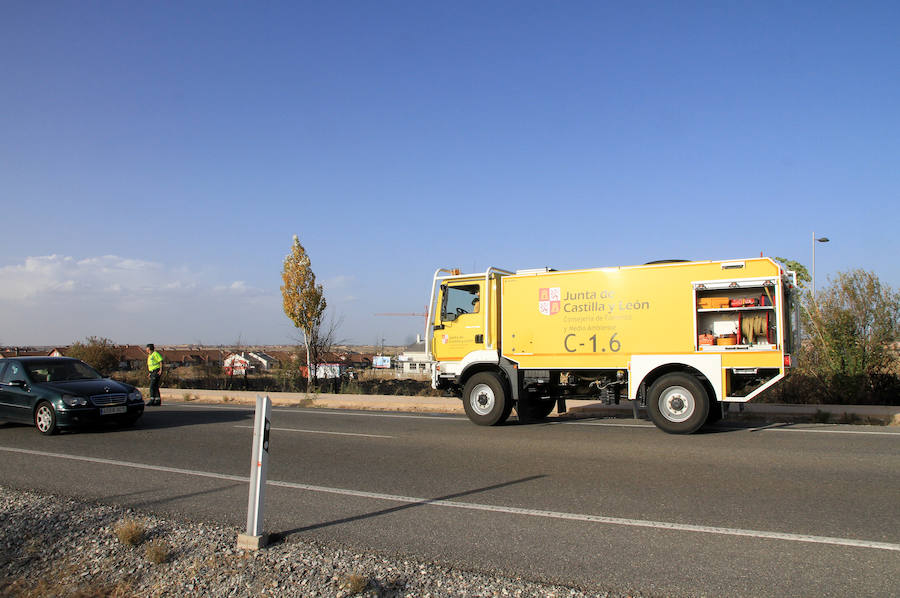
{"type": "Point", "coordinates": [850, 326]}
{"type": "Point", "coordinates": [303, 300]}
{"type": "Point", "coordinates": [803, 277]}
{"type": "Point", "coordinates": [98, 352]}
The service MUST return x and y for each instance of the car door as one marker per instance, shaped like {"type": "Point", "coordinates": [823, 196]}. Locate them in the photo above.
{"type": "Point", "coordinates": [3, 407]}
{"type": "Point", "coordinates": [15, 397]}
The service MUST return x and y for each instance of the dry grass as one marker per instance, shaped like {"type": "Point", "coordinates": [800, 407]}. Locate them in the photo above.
{"type": "Point", "coordinates": [130, 532]}
{"type": "Point", "coordinates": [44, 588]}
{"type": "Point", "coordinates": [158, 552]}
{"type": "Point", "coordinates": [353, 583]}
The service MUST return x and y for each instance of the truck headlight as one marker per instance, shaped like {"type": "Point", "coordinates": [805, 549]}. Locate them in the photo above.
{"type": "Point", "coordinates": [74, 401]}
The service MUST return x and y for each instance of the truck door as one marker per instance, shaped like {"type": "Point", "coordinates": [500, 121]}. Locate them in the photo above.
{"type": "Point", "coordinates": [459, 326]}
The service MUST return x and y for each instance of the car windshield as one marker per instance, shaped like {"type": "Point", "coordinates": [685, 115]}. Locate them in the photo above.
{"type": "Point", "coordinates": [44, 371]}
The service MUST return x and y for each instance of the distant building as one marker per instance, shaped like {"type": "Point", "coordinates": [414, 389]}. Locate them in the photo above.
{"type": "Point", "coordinates": [133, 357]}
{"type": "Point", "coordinates": [237, 365]}
{"type": "Point", "coordinates": [265, 362]}
{"type": "Point", "coordinates": [414, 360]}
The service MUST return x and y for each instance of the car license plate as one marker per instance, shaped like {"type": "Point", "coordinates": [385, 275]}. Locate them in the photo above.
{"type": "Point", "coordinates": [113, 410]}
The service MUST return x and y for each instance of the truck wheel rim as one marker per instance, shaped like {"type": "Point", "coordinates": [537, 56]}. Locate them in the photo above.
{"type": "Point", "coordinates": [482, 399]}
{"type": "Point", "coordinates": [676, 404]}
{"type": "Point", "coordinates": [43, 419]}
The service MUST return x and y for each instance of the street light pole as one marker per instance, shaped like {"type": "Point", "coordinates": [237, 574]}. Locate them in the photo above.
{"type": "Point", "coordinates": [814, 241]}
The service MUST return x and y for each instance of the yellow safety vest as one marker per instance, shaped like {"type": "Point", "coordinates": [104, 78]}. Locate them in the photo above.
{"type": "Point", "coordinates": [154, 361]}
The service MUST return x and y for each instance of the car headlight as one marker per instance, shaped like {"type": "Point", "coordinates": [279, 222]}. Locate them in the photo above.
{"type": "Point", "coordinates": [135, 397]}
{"type": "Point", "coordinates": [74, 401]}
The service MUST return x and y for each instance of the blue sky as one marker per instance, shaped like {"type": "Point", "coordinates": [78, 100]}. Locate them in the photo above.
{"type": "Point", "coordinates": [157, 157]}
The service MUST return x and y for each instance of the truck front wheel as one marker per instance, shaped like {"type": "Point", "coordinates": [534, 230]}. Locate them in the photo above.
{"type": "Point", "coordinates": [485, 400]}
{"type": "Point", "coordinates": [678, 404]}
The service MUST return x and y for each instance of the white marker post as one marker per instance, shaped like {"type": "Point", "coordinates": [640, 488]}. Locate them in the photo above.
{"type": "Point", "coordinates": [254, 539]}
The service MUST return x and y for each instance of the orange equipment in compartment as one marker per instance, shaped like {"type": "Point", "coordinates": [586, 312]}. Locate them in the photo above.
{"type": "Point", "coordinates": [727, 339]}
{"type": "Point", "coordinates": [712, 302]}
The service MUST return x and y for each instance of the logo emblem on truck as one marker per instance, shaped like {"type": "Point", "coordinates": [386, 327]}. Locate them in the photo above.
{"type": "Point", "coordinates": [548, 300]}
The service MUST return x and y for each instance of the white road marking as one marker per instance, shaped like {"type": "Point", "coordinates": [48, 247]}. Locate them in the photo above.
{"type": "Point", "coordinates": [323, 432]}
{"type": "Point", "coordinates": [662, 525]}
{"type": "Point", "coordinates": [458, 418]}
{"type": "Point", "coordinates": [319, 411]}
{"type": "Point", "coordinates": [452, 418]}
{"type": "Point", "coordinates": [817, 431]}
{"type": "Point", "coordinates": [772, 428]}
{"type": "Point", "coordinates": [606, 425]}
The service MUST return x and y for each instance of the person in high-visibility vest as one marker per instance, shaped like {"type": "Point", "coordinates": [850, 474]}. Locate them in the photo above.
{"type": "Point", "coordinates": [155, 367]}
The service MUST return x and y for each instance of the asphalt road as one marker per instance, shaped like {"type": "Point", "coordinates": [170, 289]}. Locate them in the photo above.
{"type": "Point", "coordinates": [607, 504]}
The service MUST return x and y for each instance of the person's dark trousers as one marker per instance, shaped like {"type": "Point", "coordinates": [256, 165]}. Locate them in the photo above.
{"type": "Point", "coordinates": [154, 389]}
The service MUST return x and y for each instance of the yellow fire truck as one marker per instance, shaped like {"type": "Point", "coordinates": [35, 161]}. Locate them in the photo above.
{"type": "Point", "coordinates": [681, 338]}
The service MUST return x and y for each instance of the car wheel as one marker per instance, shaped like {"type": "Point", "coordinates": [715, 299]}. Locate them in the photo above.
{"type": "Point", "coordinates": [45, 419]}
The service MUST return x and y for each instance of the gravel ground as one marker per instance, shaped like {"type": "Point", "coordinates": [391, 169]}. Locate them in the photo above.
{"type": "Point", "coordinates": [53, 546]}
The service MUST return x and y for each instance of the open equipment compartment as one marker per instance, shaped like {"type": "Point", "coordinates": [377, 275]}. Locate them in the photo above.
{"type": "Point", "coordinates": [736, 315]}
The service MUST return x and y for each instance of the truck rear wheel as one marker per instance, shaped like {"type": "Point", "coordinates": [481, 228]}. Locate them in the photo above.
{"type": "Point", "coordinates": [678, 404]}
{"type": "Point", "coordinates": [485, 400]}
{"type": "Point", "coordinates": [534, 409]}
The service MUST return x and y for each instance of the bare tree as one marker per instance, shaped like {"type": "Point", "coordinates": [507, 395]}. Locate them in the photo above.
{"type": "Point", "coordinates": [323, 343]}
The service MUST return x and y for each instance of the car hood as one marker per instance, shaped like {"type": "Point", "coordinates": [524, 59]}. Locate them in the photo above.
{"type": "Point", "coordinates": [89, 387]}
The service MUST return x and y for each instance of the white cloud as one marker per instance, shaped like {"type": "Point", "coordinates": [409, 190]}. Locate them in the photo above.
{"type": "Point", "coordinates": [56, 299]}
{"type": "Point", "coordinates": [53, 274]}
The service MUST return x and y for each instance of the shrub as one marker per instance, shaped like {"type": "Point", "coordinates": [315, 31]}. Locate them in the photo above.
{"type": "Point", "coordinates": [98, 352]}
{"type": "Point", "coordinates": [353, 584]}
{"type": "Point", "coordinates": [157, 552]}
{"type": "Point", "coordinates": [130, 532]}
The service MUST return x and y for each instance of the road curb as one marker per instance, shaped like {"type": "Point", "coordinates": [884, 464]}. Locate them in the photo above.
{"type": "Point", "coordinates": [871, 414]}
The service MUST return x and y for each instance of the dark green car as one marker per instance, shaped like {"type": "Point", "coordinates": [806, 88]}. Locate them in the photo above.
{"type": "Point", "coordinates": [55, 393]}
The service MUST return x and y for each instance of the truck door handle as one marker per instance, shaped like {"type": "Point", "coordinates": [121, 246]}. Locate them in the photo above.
{"type": "Point", "coordinates": [479, 338]}
{"type": "Point", "coordinates": [438, 326]}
